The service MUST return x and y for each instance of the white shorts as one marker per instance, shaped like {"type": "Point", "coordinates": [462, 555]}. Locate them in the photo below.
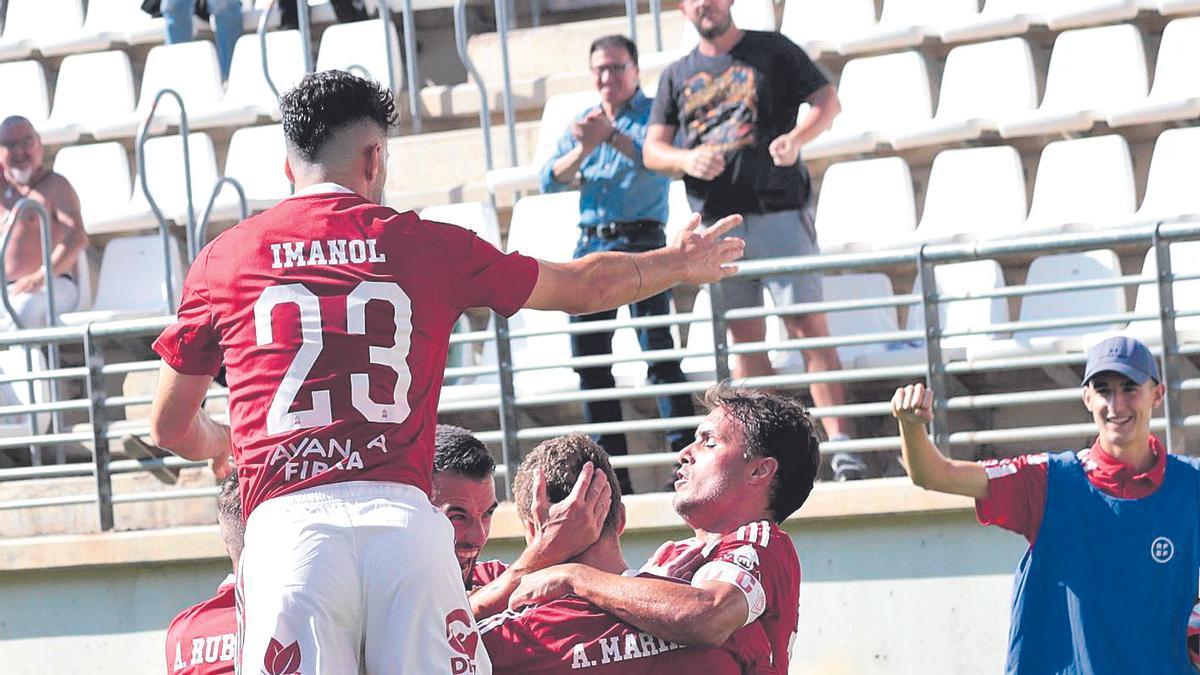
{"type": "Point", "coordinates": [354, 570]}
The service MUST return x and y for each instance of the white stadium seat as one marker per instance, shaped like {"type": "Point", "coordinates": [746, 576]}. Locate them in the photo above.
{"type": "Point", "coordinates": [16, 361]}
{"type": "Point", "coordinates": [100, 174]}
{"type": "Point", "coordinates": [701, 365]}
{"type": "Point", "coordinates": [1001, 18]}
{"type": "Point", "coordinates": [855, 322]}
{"type": "Point", "coordinates": [27, 23]}
{"type": "Point", "coordinates": [1064, 14]}
{"type": "Point", "coordinates": [861, 202]}
{"type": "Point", "coordinates": [878, 94]}
{"type": "Point", "coordinates": [193, 70]}
{"type": "Point", "coordinates": [93, 90]}
{"type": "Point", "coordinates": [1082, 184]}
{"type": "Point", "coordinates": [164, 169]}
{"type": "Point", "coordinates": [1078, 304]}
{"type": "Point", "coordinates": [1171, 184]}
{"type": "Point", "coordinates": [980, 84]}
{"type": "Point", "coordinates": [560, 110]}
{"type": "Point", "coordinates": [820, 26]}
{"type": "Point", "coordinates": [679, 210]}
{"type": "Point", "coordinates": [972, 193]}
{"type": "Point", "coordinates": [131, 282]}
{"type": "Point", "coordinates": [906, 23]}
{"type": "Point", "coordinates": [1091, 71]}
{"type": "Point", "coordinates": [1175, 94]}
{"type": "Point", "coordinates": [1185, 259]}
{"type": "Point", "coordinates": [256, 158]}
{"type": "Point", "coordinates": [26, 83]}
{"type": "Point", "coordinates": [478, 217]}
{"type": "Point", "coordinates": [970, 314]}
{"type": "Point", "coordinates": [542, 226]}
{"type": "Point", "coordinates": [248, 87]}
{"type": "Point", "coordinates": [356, 47]}
{"type": "Point", "coordinates": [109, 22]}
{"type": "Point", "coordinates": [1173, 7]}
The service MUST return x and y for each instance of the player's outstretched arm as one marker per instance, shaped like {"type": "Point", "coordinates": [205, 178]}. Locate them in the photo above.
{"type": "Point", "coordinates": [560, 531]}
{"type": "Point", "coordinates": [178, 422]}
{"type": "Point", "coordinates": [702, 615]}
{"type": "Point", "coordinates": [603, 281]}
{"type": "Point", "coordinates": [912, 406]}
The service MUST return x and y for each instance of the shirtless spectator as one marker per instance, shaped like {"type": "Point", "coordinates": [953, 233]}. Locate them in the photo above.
{"type": "Point", "coordinates": [21, 155]}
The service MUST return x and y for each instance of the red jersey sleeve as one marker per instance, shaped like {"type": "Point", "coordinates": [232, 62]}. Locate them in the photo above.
{"type": "Point", "coordinates": [190, 345]}
{"type": "Point", "coordinates": [484, 573]}
{"type": "Point", "coordinates": [482, 276]}
{"type": "Point", "coordinates": [1016, 494]}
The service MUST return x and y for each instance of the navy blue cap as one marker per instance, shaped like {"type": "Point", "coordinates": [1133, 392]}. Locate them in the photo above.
{"type": "Point", "coordinates": [1122, 355]}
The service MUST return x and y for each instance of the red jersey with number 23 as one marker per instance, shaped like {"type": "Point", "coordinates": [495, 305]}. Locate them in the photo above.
{"type": "Point", "coordinates": [332, 316]}
{"type": "Point", "coordinates": [759, 559]}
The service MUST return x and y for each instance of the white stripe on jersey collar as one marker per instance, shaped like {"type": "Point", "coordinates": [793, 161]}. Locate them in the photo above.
{"type": "Point", "coordinates": [323, 189]}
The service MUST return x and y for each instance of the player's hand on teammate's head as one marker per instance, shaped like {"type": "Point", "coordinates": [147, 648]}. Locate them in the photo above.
{"type": "Point", "coordinates": [676, 559]}
{"type": "Point", "coordinates": [566, 528]}
{"type": "Point", "coordinates": [913, 404]}
{"type": "Point", "coordinates": [543, 586]}
{"type": "Point", "coordinates": [708, 251]}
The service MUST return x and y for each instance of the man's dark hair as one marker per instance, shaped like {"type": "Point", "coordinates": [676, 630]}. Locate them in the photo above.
{"type": "Point", "coordinates": [615, 42]}
{"type": "Point", "coordinates": [229, 515]}
{"type": "Point", "coordinates": [778, 427]}
{"type": "Point", "coordinates": [327, 101]}
{"type": "Point", "coordinates": [456, 450]}
{"type": "Point", "coordinates": [561, 461]}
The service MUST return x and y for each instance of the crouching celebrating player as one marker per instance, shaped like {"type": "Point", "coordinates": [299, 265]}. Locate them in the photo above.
{"type": "Point", "coordinates": [753, 463]}
{"type": "Point", "coordinates": [1109, 579]}
{"type": "Point", "coordinates": [570, 634]}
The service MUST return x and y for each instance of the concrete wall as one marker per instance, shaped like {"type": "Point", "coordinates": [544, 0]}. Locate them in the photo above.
{"type": "Point", "coordinates": [895, 581]}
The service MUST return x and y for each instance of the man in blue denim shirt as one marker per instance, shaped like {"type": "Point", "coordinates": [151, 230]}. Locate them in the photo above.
{"type": "Point", "coordinates": [623, 207]}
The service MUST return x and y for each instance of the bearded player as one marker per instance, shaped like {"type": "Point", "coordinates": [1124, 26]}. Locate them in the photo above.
{"type": "Point", "coordinates": [332, 315]}
{"type": "Point", "coordinates": [569, 634]}
{"type": "Point", "coordinates": [753, 463]}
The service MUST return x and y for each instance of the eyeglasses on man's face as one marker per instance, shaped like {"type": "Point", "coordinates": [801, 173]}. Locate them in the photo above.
{"type": "Point", "coordinates": [611, 68]}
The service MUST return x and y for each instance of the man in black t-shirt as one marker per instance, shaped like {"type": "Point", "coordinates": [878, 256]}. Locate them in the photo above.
{"type": "Point", "coordinates": [732, 105]}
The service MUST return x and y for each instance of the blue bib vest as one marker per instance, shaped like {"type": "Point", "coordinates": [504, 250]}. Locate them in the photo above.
{"type": "Point", "coordinates": [1107, 587]}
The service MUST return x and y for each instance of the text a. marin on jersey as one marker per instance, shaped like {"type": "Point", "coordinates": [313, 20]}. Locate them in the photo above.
{"type": "Point", "coordinates": [621, 648]}
{"type": "Point", "coordinates": [308, 456]}
{"type": "Point", "coordinates": [324, 252]}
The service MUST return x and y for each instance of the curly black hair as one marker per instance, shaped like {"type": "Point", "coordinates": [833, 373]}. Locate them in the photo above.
{"type": "Point", "coordinates": [779, 427]}
{"type": "Point", "coordinates": [326, 101]}
{"type": "Point", "coordinates": [456, 450]}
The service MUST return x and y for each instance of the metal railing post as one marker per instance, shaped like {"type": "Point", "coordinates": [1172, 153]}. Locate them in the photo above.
{"type": "Point", "coordinates": [410, 61]}
{"type": "Point", "coordinates": [510, 119]}
{"type": "Point", "coordinates": [262, 43]}
{"type": "Point", "coordinates": [305, 22]}
{"type": "Point", "coordinates": [202, 225]}
{"type": "Point", "coordinates": [96, 411]}
{"type": "Point", "coordinates": [631, 11]}
{"type": "Point", "coordinates": [716, 296]}
{"type": "Point", "coordinates": [1170, 342]}
{"type": "Point", "coordinates": [143, 131]}
{"type": "Point", "coordinates": [460, 42]}
{"type": "Point", "coordinates": [509, 426]}
{"type": "Point", "coordinates": [935, 369]}
{"type": "Point", "coordinates": [656, 14]}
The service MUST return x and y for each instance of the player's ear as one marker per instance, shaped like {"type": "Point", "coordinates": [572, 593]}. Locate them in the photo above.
{"type": "Point", "coordinates": [620, 519]}
{"type": "Point", "coordinates": [1160, 392]}
{"type": "Point", "coordinates": [287, 170]}
{"type": "Point", "coordinates": [763, 470]}
{"type": "Point", "coordinates": [374, 159]}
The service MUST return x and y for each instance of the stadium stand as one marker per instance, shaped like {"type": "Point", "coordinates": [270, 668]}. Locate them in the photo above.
{"type": "Point", "coordinates": [131, 284]}
{"type": "Point", "coordinates": [847, 222]}
{"type": "Point", "coordinates": [100, 173]}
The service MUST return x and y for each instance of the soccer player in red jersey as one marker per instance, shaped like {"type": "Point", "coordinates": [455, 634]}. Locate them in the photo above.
{"type": "Point", "coordinates": [332, 316]}
{"type": "Point", "coordinates": [753, 463]}
{"type": "Point", "coordinates": [202, 639]}
{"type": "Point", "coordinates": [464, 489]}
{"type": "Point", "coordinates": [570, 634]}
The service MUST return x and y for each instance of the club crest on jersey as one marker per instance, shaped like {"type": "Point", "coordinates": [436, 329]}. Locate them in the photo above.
{"type": "Point", "coordinates": [1162, 550]}
{"type": "Point", "coordinates": [330, 252]}
{"type": "Point", "coordinates": [281, 660]}
{"type": "Point", "coordinates": [464, 639]}
{"type": "Point", "coordinates": [744, 557]}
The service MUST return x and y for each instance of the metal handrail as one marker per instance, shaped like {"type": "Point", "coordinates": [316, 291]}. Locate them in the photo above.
{"type": "Point", "coordinates": [460, 43]}
{"type": "Point", "coordinates": [143, 132]}
{"type": "Point", "coordinates": [305, 22]}
{"type": "Point", "coordinates": [656, 14]}
{"type": "Point", "coordinates": [631, 13]}
{"type": "Point", "coordinates": [198, 236]}
{"type": "Point", "coordinates": [262, 43]}
{"type": "Point", "coordinates": [410, 61]}
{"type": "Point", "coordinates": [510, 117]}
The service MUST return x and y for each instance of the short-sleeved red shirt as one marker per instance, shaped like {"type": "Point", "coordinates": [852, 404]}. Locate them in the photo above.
{"type": "Point", "coordinates": [202, 640]}
{"type": "Point", "coordinates": [484, 573]}
{"type": "Point", "coordinates": [571, 634]}
{"type": "Point", "coordinates": [760, 559]}
{"type": "Point", "coordinates": [332, 317]}
{"type": "Point", "coordinates": [1016, 498]}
